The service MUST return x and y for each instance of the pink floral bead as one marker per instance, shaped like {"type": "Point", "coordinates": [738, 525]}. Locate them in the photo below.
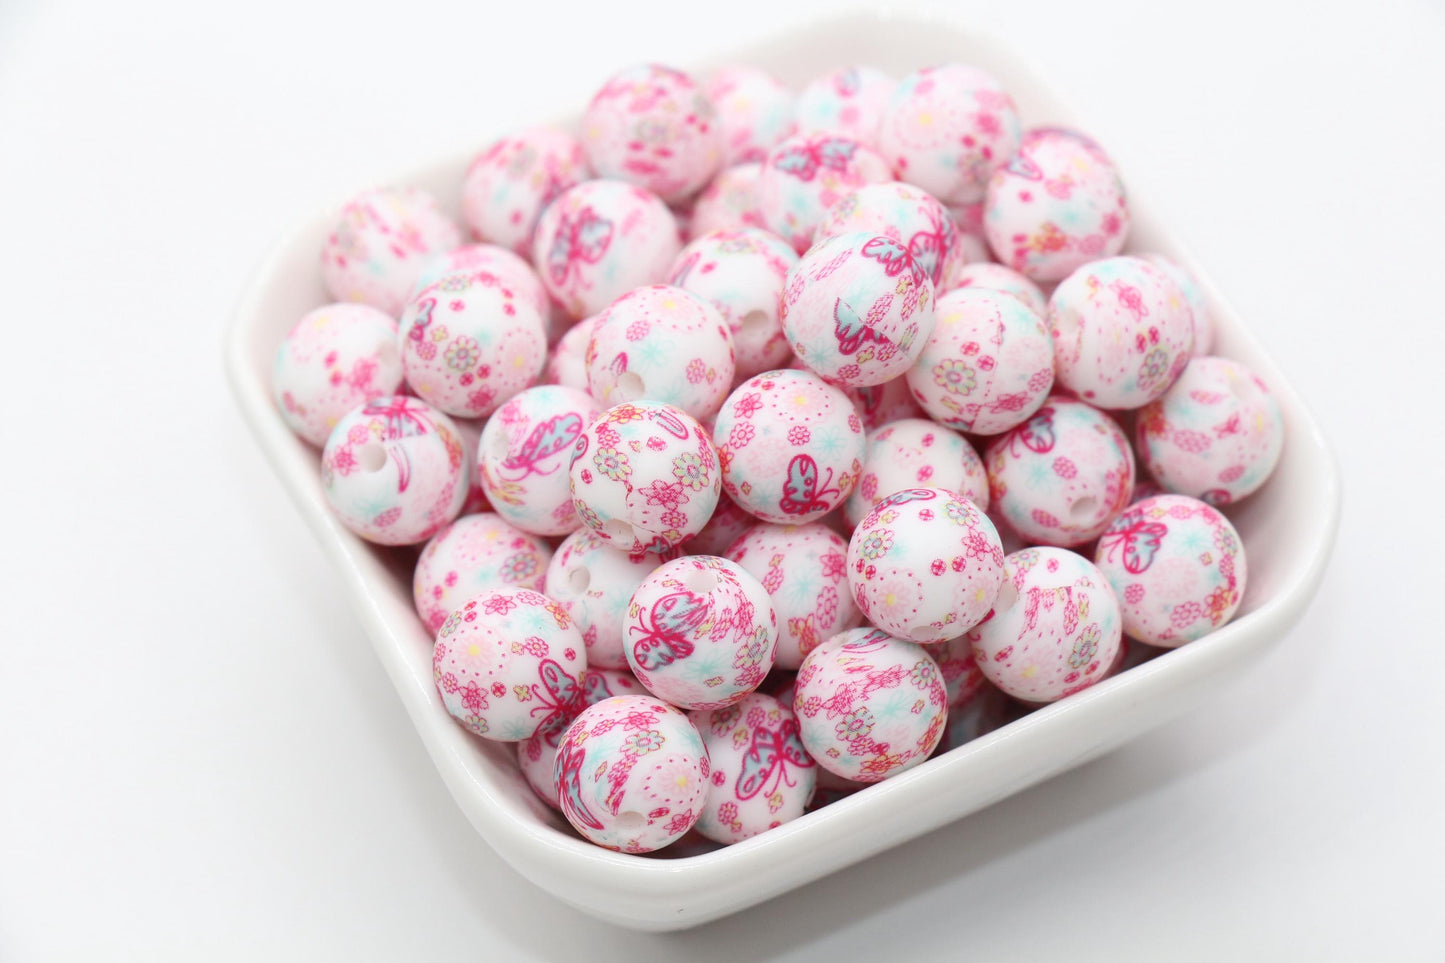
{"type": "Point", "coordinates": [512, 181]}
{"type": "Point", "coordinates": [645, 476]}
{"type": "Point", "coordinates": [805, 175]}
{"type": "Point", "coordinates": [996, 277]}
{"type": "Point", "coordinates": [1062, 476]}
{"type": "Point", "coordinates": [921, 226]}
{"type": "Point", "coordinates": [754, 111]}
{"type": "Point", "coordinates": [633, 773]}
{"type": "Point", "coordinates": [1056, 206]}
{"type": "Point", "coordinates": [1194, 294]}
{"type": "Point", "coordinates": [663, 344]}
{"type": "Point", "coordinates": [1177, 567]}
{"type": "Point", "coordinates": [987, 365]}
{"type": "Point", "coordinates": [537, 754]}
{"type": "Point", "coordinates": [729, 523]}
{"type": "Point", "coordinates": [1122, 332]}
{"type": "Point", "coordinates": [654, 127]}
{"type": "Point", "coordinates": [380, 244]}
{"type": "Point", "coordinates": [514, 272]}
{"type": "Point", "coordinates": [869, 706]}
{"type": "Point", "coordinates": [879, 404]}
{"type": "Point", "coordinates": [472, 554]}
{"type": "Point", "coordinates": [925, 565]}
{"type": "Point", "coordinates": [567, 365]}
{"type": "Point", "coordinates": [729, 203]}
{"type": "Point", "coordinates": [791, 446]}
{"type": "Point", "coordinates": [804, 569]}
{"type": "Point", "coordinates": [850, 100]}
{"type": "Point", "coordinates": [1216, 434]}
{"type": "Point", "coordinates": [600, 240]}
{"type": "Point", "coordinates": [917, 453]}
{"type": "Point", "coordinates": [762, 776]}
{"type": "Point", "coordinates": [594, 582]}
{"type": "Point", "coordinates": [393, 471]}
{"type": "Point", "coordinates": [525, 452]}
{"type": "Point", "coordinates": [508, 663]}
{"type": "Point", "coordinates": [335, 358]}
{"type": "Point", "coordinates": [947, 129]}
{"type": "Point", "coordinates": [961, 673]}
{"type": "Point", "coordinates": [1054, 630]}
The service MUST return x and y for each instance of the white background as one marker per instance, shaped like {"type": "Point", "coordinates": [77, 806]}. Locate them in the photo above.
{"type": "Point", "coordinates": [201, 758]}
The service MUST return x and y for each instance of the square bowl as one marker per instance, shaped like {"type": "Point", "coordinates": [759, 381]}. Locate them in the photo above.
{"type": "Point", "coordinates": [1288, 529]}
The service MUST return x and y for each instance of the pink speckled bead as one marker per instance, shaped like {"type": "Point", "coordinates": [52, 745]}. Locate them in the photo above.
{"type": "Point", "coordinates": [1062, 476]}
{"type": "Point", "coordinates": [600, 240]}
{"type": "Point", "coordinates": [1176, 566]}
{"type": "Point", "coordinates": [921, 225]}
{"type": "Point", "coordinates": [335, 358]}
{"type": "Point", "coordinates": [858, 309]}
{"type": "Point", "coordinates": [509, 663]}
{"type": "Point", "coordinates": [393, 470]}
{"type": "Point", "coordinates": [1194, 294]}
{"type": "Point", "coordinates": [761, 775]}
{"type": "Point", "coordinates": [1056, 206]}
{"type": "Point", "coordinates": [633, 774]}
{"type": "Point", "coordinates": [594, 582]}
{"type": "Point", "coordinates": [512, 181]}
{"type": "Point", "coordinates": [925, 565]}
{"type": "Point", "coordinates": [472, 554]}
{"type": "Point", "coordinates": [1216, 434]}
{"type": "Point", "coordinates": [654, 127]}
{"type": "Point", "coordinates": [805, 175]}
{"type": "Point", "coordinates": [380, 244]}
{"type": "Point", "coordinates": [879, 404]}
{"type": "Point", "coordinates": [567, 365]}
{"type": "Point", "coordinates": [754, 111]}
{"type": "Point", "coordinates": [515, 273]}
{"type": "Point", "coordinates": [663, 344]}
{"type": "Point", "coordinates": [804, 569]}
{"type": "Point", "coordinates": [729, 203]}
{"type": "Point", "coordinates": [525, 451]}
{"type": "Point", "coordinates": [1055, 627]}
{"type": "Point", "coordinates": [1122, 332]}
{"type": "Point", "coordinates": [987, 365]}
{"type": "Point", "coordinates": [869, 705]}
{"type": "Point", "coordinates": [917, 453]}
{"type": "Point", "coordinates": [791, 446]}
{"type": "Point", "coordinates": [996, 277]}
{"type": "Point", "coordinates": [947, 129]}
{"type": "Point", "coordinates": [729, 522]}
{"type": "Point", "coordinates": [645, 476]}
{"type": "Point", "coordinates": [537, 754]}
{"type": "Point", "coordinates": [961, 674]}
{"type": "Point", "coordinates": [850, 100]}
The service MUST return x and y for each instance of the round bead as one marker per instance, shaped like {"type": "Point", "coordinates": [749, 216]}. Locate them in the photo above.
{"type": "Point", "coordinates": [512, 181]}
{"type": "Point", "coordinates": [1122, 332]}
{"type": "Point", "coordinates": [662, 344]}
{"type": "Point", "coordinates": [947, 129]}
{"type": "Point", "coordinates": [754, 111]}
{"type": "Point", "coordinates": [791, 446]}
{"type": "Point", "coordinates": [633, 774]}
{"type": "Point", "coordinates": [515, 273]}
{"type": "Point", "coordinates": [335, 358]}
{"type": "Point", "coordinates": [1177, 567]}
{"type": "Point", "coordinates": [804, 569]}
{"type": "Point", "coordinates": [761, 775]}
{"type": "Point", "coordinates": [654, 127]}
{"type": "Point", "coordinates": [1055, 627]}
{"type": "Point", "coordinates": [869, 706]}
{"type": "Point", "coordinates": [858, 309]}
{"type": "Point", "coordinates": [594, 582]}
{"type": "Point", "coordinates": [925, 565]}
{"type": "Point", "coordinates": [1062, 476]}
{"type": "Point", "coordinates": [988, 364]}
{"type": "Point", "coordinates": [729, 203]}
{"type": "Point", "coordinates": [961, 674]}
{"type": "Point", "coordinates": [568, 364]}
{"type": "Point", "coordinates": [524, 455]}
{"type": "Point", "coordinates": [805, 175]}
{"type": "Point", "coordinates": [920, 225]}
{"type": "Point", "coordinates": [600, 240]}
{"type": "Point", "coordinates": [917, 453]}
{"type": "Point", "coordinates": [645, 476]}
{"type": "Point", "coordinates": [1056, 206]}
{"type": "Point", "coordinates": [393, 471]}
{"type": "Point", "coordinates": [473, 554]}
{"type": "Point", "coordinates": [1216, 434]}
{"type": "Point", "coordinates": [381, 242]}
{"type": "Point", "coordinates": [508, 663]}
{"type": "Point", "coordinates": [877, 405]}
{"type": "Point", "coordinates": [850, 100]}
{"type": "Point", "coordinates": [1194, 294]}
{"type": "Point", "coordinates": [741, 273]}
{"type": "Point", "coordinates": [996, 277]}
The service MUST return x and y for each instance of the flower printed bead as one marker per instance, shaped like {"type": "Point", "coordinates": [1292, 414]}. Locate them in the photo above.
{"type": "Point", "coordinates": [633, 773]}
{"type": "Point", "coordinates": [472, 554]}
{"type": "Point", "coordinates": [393, 471]}
{"type": "Point", "coordinates": [850, 100]}
{"type": "Point", "coordinates": [568, 364]}
{"type": "Point", "coordinates": [925, 565]}
{"type": "Point", "coordinates": [645, 475]}
{"type": "Point", "coordinates": [729, 203]}
{"type": "Point", "coordinates": [791, 446]}
{"type": "Point", "coordinates": [754, 111]}
{"type": "Point", "coordinates": [804, 569]}
{"type": "Point", "coordinates": [761, 775]}
{"type": "Point", "coordinates": [996, 277]}
{"type": "Point", "coordinates": [600, 240]}
{"type": "Point", "coordinates": [869, 705]}
{"type": "Point", "coordinates": [380, 244]}
{"type": "Point", "coordinates": [525, 452]}
{"type": "Point", "coordinates": [1055, 627]}
{"type": "Point", "coordinates": [1122, 332]}
{"type": "Point", "coordinates": [594, 581]}
{"type": "Point", "coordinates": [335, 358]}
{"type": "Point", "coordinates": [1176, 566]}
{"type": "Point", "coordinates": [1056, 206]}
{"type": "Point", "coordinates": [1216, 434]}
{"type": "Point", "coordinates": [961, 674]}
{"type": "Point", "coordinates": [805, 175]}
{"type": "Point", "coordinates": [919, 224]}
{"type": "Point", "coordinates": [917, 453]}
{"type": "Point", "coordinates": [512, 270]}
{"type": "Point", "coordinates": [1194, 294]}
{"type": "Point", "coordinates": [513, 180]}
{"type": "Point", "coordinates": [508, 663]}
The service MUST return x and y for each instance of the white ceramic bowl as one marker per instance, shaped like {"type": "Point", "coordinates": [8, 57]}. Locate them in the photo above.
{"type": "Point", "coordinates": [1288, 530]}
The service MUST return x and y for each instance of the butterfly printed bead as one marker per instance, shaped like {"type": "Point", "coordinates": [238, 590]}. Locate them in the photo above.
{"type": "Point", "coordinates": [761, 777]}
{"type": "Point", "coordinates": [524, 454]}
{"type": "Point", "coordinates": [474, 553]}
{"type": "Point", "coordinates": [805, 175]}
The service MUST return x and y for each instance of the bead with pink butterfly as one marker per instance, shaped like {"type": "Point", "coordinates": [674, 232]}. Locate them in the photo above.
{"type": "Point", "coordinates": [472, 554]}
{"type": "Point", "coordinates": [761, 777]}
{"type": "Point", "coordinates": [513, 179]}
{"type": "Point", "coordinates": [380, 244]}
{"type": "Point", "coordinates": [914, 219]}
{"type": "Point", "coordinates": [805, 175]}
{"type": "Point", "coordinates": [916, 453]}
{"type": "Point", "coordinates": [335, 358]}
{"type": "Point", "coordinates": [525, 452]}
{"type": "Point", "coordinates": [594, 581]}
{"type": "Point", "coordinates": [537, 754]}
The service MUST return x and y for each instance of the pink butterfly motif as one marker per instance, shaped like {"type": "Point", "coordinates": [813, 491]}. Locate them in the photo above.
{"type": "Point", "coordinates": [1138, 539]}
{"type": "Point", "coordinates": [802, 494]}
{"type": "Point", "coordinates": [569, 780]}
{"type": "Point", "coordinates": [663, 628]}
{"type": "Point", "coordinates": [804, 160]}
{"type": "Point", "coordinates": [767, 759]}
{"type": "Point", "coordinates": [896, 258]}
{"type": "Point", "coordinates": [580, 239]}
{"type": "Point", "coordinates": [559, 694]}
{"type": "Point", "coordinates": [552, 436]}
{"type": "Point", "coordinates": [851, 330]}
{"type": "Point", "coordinates": [1037, 434]}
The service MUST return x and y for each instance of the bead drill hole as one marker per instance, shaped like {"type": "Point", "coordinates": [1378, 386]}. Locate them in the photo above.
{"type": "Point", "coordinates": [630, 386]}
{"type": "Point", "coordinates": [753, 321]}
{"type": "Point", "coordinates": [700, 581]}
{"type": "Point", "coordinates": [921, 630]}
{"type": "Point", "coordinates": [630, 821]}
{"type": "Point", "coordinates": [578, 579]}
{"type": "Point", "coordinates": [371, 457]}
{"type": "Point", "coordinates": [619, 531]}
{"type": "Point", "coordinates": [1083, 508]}
{"type": "Point", "coordinates": [388, 355]}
